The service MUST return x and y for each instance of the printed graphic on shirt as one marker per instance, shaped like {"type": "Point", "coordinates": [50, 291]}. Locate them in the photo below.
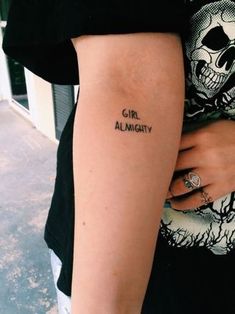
{"type": "Point", "coordinates": [211, 62]}
{"type": "Point", "coordinates": [210, 84]}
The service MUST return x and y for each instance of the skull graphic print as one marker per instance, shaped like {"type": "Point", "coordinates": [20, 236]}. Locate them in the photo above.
{"type": "Point", "coordinates": [210, 54]}
{"type": "Point", "coordinates": [210, 95]}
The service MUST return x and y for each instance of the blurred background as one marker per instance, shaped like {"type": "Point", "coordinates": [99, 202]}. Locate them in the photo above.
{"type": "Point", "coordinates": [46, 105]}
{"type": "Point", "coordinates": [33, 114]}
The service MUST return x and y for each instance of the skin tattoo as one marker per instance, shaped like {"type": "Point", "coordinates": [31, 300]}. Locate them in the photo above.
{"type": "Point", "coordinates": [131, 127]}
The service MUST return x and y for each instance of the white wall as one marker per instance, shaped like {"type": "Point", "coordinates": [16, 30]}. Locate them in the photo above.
{"type": "Point", "coordinates": [5, 89]}
{"type": "Point", "coordinates": [41, 108]}
{"type": "Point", "coordinates": [41, 104]}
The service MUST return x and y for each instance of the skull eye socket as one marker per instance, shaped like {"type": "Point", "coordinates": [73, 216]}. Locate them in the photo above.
{"type": "Point", "coordinates": [216, 39]}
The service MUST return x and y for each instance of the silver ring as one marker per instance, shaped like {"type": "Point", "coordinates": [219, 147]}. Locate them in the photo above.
{"type": "Point", "coordinates": [192, 181]}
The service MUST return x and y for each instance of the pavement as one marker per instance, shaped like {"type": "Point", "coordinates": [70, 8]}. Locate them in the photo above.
{"type": "Point", "coordinates": [27, 175]}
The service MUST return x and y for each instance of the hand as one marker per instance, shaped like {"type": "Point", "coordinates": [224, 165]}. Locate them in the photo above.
{"type": "Point", "coordinates": [210, 153]}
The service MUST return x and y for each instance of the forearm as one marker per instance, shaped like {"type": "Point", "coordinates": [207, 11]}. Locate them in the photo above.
{"type": "Point", "coordinates": [121, 178]}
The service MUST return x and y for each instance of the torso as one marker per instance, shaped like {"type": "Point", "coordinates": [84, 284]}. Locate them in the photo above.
{"type": "Point", "coordinates": [210, 95]}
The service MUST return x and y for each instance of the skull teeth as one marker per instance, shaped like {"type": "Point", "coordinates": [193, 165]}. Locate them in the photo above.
{"type": "Point", "coordinates": [226, 98]}
{"type": "Point", "coordinates": [210, 79]}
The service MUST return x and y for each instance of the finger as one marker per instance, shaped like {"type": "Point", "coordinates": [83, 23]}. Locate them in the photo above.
{"type": "Point", "coordinates": [187, 159]}
{"type": "Point", "coordinates": [205, 196]}
{"type": "Point", "coordinates": [187, 140]}
{"type": "Point", "coordinates": [178, 186]}
{"type": "Point", "coordinates": [197, 199]}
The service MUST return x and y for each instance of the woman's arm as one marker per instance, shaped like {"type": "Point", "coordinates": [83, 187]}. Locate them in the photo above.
{"type": "Point", "coordinates": [126, 137]}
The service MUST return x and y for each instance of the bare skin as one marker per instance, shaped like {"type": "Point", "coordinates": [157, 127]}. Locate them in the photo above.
{"type": "Point", "coordinates": [210, 153]}
{"type": "Point", "coordinates": [120, 178]}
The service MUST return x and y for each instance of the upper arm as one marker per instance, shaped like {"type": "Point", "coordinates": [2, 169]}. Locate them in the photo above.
{"type": "Point", "coordinates": [130, 61]}
{"type": "Point", "coordinates": [121, 174]}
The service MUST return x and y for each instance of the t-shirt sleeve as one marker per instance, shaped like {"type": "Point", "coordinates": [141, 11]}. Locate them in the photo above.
{"type": "Point", "coordinates": [38, 32]}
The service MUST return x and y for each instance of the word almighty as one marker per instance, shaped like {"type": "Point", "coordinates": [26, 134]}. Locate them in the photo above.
{"type": "Point", "coordinates": [131, 127]}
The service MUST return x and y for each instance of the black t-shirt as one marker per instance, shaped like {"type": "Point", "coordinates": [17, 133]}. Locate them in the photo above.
{"type": "Point", "coordinates": [193, 267]}
{"type": "Point", "coordinates": [38, 32]}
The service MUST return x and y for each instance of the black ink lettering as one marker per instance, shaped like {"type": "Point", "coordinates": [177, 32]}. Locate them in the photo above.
{"type": "Point", "coordinates": [129, 127]}
{"type": "Point", "coordinates": [132, 127]}
{"type": "Point", "coordinates": [117, 125]}
{"type": "Point", "coordinates": [137, 129]}
{"type": "Point", "coordinates": [134, 115]}
{"type": "Point", "coordinates": [149, 128]}
{"type": "Point", "coordinates": [127, 113]}
{"type": "Point", "coordinates": [124, 113]}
